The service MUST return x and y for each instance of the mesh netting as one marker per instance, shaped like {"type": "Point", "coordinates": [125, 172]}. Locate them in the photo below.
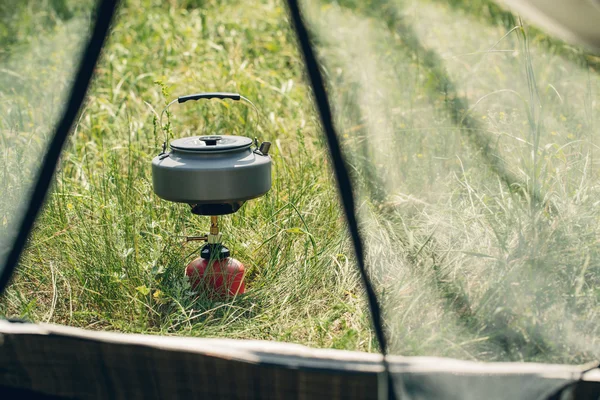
{"type": "Point", "coordinates": [40, 47]}
{"type": "Point", "coordinates": [472, 139]}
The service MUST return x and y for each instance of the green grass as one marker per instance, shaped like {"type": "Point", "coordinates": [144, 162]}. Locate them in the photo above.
{"type": "Point", "coordinates": [472, 141]}
{"type": "Point", "coordinates": [108, 254]}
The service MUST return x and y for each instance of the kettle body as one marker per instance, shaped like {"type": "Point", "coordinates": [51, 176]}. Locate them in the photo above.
{"type": "Point", "coordinates": [214, 174]}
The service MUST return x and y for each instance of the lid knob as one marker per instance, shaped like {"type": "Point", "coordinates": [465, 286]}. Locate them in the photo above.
{"type": "Point", "coordinates": [210, 140]}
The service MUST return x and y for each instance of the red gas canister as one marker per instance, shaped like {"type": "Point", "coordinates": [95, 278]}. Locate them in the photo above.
{"type": "Point", "coordinates": [220, 277]}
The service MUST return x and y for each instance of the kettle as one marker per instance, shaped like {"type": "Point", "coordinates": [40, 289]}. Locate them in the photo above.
{"type": "Point", "coordinates": [214, 174]}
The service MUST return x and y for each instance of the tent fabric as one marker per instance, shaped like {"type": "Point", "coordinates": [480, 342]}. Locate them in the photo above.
{"type": "Point", "coordinates": [472, 248]}
{"type": "Point", "coordinates": [88, 365]}
{"type": "Point", "coordinates": [575, 21]}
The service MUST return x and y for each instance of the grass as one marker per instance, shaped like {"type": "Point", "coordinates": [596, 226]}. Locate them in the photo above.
{"type": "Point", "coordinates": [108, 254]}
{"type": "Point", "coordinates": [472, 142]}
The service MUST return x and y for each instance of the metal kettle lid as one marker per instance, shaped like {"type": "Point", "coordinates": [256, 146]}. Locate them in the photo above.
{"type": "Point", "coordinates": [211, 144]}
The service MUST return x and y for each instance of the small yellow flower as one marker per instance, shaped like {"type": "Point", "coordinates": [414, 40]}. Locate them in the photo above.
{"type": "Point", "coordinates": [563, 118]}
{"type": "Point", "coordinates": [419, 155]}
{"type": "Point", "coordinates": [501, 114]}
{"type": "Point", "coordinates": [483, 117]}
{"type": "Point", "coordinates": [570, 136]}
{"type": "Point", "coordinates": [69, 206]}
{"type": "Point", "coordinates": [553, 133]}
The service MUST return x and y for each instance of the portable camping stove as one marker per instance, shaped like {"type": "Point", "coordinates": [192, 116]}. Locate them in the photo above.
{"type": "Point", "coordinates": [215, 175]}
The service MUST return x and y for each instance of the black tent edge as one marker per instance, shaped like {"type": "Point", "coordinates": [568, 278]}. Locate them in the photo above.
{"type": "Point", "coordinates": [340, 168]}
{"type": "Point", "coordinates": [104, 15]}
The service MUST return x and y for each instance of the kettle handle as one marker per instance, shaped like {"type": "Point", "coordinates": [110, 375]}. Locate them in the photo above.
{"type": "Point", "coordinates": [200, 96]}
{"type": "Point", "coordinates": [213, 95]}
